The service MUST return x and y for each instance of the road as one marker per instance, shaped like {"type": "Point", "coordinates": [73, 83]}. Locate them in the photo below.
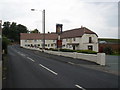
{"type": "Point", "coordinates": [27, 69]}
{"type": "Point", "coordinates": [112, 62]}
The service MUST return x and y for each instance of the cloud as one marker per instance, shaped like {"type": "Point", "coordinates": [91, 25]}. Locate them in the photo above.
{"type": "Point", "coordinates": [101, 17]}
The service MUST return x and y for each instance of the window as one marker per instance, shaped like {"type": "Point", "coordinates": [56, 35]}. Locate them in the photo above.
{"type": "Point", "coordinates": [66, 40]}
{"type": "Point", "coordinates": [53, 40]}
{"type": "Point", "coordinates": [48, 45]}
{"type": "Point", "coordinates": [38, 45]}
{"type": "Point", "coordinates": [70, 40]}
{"type": "Point", "coordinates": [31, 45]}
{"type": "Point", "coordinates": [25, 40]}
{"type": "Point", "coordinates": [74, 39]}
{"type": "Point", "coordinates": [64, 45]}
{"type": "Point", "coordinates": [35, 45]}
{"type": "Point", "coordinates": [35, 40]}
{"type": "Point", "coordinates": [90, 39]}
{"type": "Point", "coordinates": [51, 45]}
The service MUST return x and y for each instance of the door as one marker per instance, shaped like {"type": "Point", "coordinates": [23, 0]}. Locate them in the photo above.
{"type": "Point", "coordinates": [73, 47]}
{"type": "Point", "coordinates": [90, 47]}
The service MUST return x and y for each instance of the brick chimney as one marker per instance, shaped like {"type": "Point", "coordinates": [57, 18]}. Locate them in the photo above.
{"type": "Point", "coordinates": [59, 28]}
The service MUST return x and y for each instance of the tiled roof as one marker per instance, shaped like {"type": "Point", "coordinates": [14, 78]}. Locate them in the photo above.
{"type": "Point", "coordinates": [48, 36]}
{"type": "Point", "coordinates": [78, 32]}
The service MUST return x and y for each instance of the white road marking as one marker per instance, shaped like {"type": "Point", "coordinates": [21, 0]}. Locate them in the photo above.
{"type": "Point", "coordinates": [48, 69]}
{"type": "Point", "coordinates": [22, 54]}
{"type": "Point", "coordinates": [78, 86]}
{"type": "Point", "coordinates": [30, 59]}
{"type": "Point", "coordinates": [70, 63]}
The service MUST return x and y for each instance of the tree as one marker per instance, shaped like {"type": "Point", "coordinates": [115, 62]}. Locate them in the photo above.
{"type": "Point", "coordinates": [5, 43]}
{"type": "Point", "coordinates": [12, 31]}
{"type": "Point", "coordinates": [6, 28]}
{"type": "Point", "coordinates": [108, 50]}
{"type": "Point", "coordinates": [34, 31]}
{"type": "Point", "coordinates": [20, 29]}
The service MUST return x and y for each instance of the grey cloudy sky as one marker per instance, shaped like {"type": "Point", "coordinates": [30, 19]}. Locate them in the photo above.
{"type": "Point", "coordinates": [100, 16]}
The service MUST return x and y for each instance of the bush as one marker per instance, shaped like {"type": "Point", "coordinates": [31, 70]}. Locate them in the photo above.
{"type": "Point", "coordinates": [86, 51]}
{"type": "Point", "coordinates": [67, 50]}
{"type": "Point", "coordinates": [5, 43]}
{"type": "Point", "coordinates": [79, 51]}
{"type": "Point", "coordinates": [116, 52]}
{"type": "Point", "coordinates": [53, 49]}
{"type": "Point", "coordinates": [108, 50]}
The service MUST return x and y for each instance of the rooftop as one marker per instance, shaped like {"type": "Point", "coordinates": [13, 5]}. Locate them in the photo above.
{"type": "Point", "coordinates": [78, 32]}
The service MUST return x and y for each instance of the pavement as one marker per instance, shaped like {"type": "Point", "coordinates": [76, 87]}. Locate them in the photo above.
{"type": "Point", "coordinates": [34, 69]}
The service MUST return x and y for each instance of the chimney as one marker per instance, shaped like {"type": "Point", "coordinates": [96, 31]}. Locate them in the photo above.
{"type": "Point", "coordinates": [59, 28]}
{"type": "Point", "coordinates": [81, 26]}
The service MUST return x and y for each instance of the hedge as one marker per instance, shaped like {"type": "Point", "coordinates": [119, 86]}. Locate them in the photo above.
{"type": "Point", "coordinates": [67, 50]}
{"type": "Point", "coordinates": [86, 51]}
{"type": "Point", "coordinates": [78, 51]}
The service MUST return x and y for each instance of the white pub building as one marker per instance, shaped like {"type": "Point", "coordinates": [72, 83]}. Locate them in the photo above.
{"type": "Point", "coordinates": [75, 39]}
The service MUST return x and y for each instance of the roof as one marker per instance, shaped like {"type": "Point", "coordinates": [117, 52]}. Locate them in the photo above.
{"type": "Point", "coordinates": [49, 36]}
{"type": "Point", "coordinates": [78, 32]}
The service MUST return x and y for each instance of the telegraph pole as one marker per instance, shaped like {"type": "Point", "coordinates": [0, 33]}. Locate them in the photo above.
{"type": "Point", "coordinates": [43, 29]}
{"type": "Point", "coordinates": [0, 40]}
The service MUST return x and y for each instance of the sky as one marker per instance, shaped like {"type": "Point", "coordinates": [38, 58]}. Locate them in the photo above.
{"type": "Point", "coordinates": [100, 16]}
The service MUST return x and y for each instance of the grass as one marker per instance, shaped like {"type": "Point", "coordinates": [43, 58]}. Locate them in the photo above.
{"type": "Point", "coordinates": [109, 40]}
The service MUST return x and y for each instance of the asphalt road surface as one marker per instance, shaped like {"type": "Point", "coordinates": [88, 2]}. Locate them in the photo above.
{"type": "Point", "coordinates": [27, 69]}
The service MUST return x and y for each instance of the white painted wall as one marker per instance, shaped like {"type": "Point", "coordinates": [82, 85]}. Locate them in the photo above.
{"type": "Point", "coordinates": [85, 42]}
{"type": "Point", "coordinates": [40, 42]}
{"type": "Point", "coordinates": [98, 58]}
{"type": "Point", "coordinates": [50, 43]}
{"type": "Point", "coordinates": [70, 40]}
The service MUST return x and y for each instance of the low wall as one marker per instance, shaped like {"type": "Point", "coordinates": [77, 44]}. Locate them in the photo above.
{"type": "Point", "coordinates": [98, 58]}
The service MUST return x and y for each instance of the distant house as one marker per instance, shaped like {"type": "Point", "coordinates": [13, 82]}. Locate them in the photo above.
{"type": "Point", "coordinates": [75, 39]}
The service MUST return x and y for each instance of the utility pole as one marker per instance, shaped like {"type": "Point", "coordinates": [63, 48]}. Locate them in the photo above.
{"type": "Point", "coordinates": [0, 54]}
{"type": "Point", "coordinates": [0, 40]}
{"type": "Point", "coordinates": [43, 29]}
